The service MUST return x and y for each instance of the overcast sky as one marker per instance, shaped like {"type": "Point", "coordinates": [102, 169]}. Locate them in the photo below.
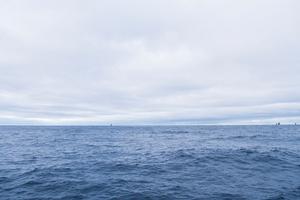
{"type": "Point", "coordinates": [149, 62]}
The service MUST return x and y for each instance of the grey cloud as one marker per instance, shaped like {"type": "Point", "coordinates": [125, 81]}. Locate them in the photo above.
{"type": "Point", "coordinates": [149, 62]}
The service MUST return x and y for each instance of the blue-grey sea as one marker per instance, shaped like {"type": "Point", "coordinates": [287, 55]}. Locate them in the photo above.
{"type": "Point", "coordinates": [149, 162]}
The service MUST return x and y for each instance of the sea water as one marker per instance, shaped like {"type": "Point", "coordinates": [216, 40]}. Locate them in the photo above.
{"type": "Point", "coordinates": [149, 162]}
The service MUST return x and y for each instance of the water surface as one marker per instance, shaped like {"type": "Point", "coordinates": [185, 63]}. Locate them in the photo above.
{"type": "Point", "coordinates": [169, 162]}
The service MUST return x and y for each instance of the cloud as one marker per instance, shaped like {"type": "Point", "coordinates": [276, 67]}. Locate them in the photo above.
{"type": "Point", "coordinates": [149, 62]}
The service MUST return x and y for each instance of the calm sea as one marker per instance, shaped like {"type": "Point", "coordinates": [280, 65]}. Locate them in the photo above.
{"type": "Point", "coordinates": [168, 162]}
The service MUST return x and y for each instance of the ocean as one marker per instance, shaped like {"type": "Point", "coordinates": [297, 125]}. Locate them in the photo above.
{"type": "Point", "coordinates": [149, 162]}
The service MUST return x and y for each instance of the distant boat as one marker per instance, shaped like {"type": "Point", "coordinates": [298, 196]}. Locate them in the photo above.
{"type": "Point", "coordinates": [278, 124]}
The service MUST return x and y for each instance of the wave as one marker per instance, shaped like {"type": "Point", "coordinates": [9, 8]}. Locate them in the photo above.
{"type": "Point", "coordinates": [242, 156]}
{"type": "Point", "coordinates": [150, 163]}
{"type": "Point", "coordinates": [175, 132]}
{"type": "Point", "coordinates": [291, 194]}
{"type": "Point", "coordinates": [240, 137]}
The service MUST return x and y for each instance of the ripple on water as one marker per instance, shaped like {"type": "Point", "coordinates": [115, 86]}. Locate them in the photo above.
{"type": "Point", "coordinates": [250, 162]}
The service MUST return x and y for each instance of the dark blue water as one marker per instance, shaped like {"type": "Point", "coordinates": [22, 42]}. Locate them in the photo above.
{"type": "Point", "coordinates": [204, 162]}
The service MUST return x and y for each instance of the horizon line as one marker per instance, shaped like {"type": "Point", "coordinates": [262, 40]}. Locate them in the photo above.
{"type": "Point", "coordinates": [141, 125]}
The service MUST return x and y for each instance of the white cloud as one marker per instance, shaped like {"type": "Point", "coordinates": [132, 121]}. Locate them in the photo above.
{"type": "Point", "coordinates": [149, 62]}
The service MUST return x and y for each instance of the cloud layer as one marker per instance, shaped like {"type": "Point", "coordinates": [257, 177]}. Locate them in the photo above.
{"type": "Point", "coordinates": [149, 62]}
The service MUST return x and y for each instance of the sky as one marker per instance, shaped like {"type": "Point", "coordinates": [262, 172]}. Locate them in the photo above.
{"type": "Point", "coordinates": [136, 62]}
